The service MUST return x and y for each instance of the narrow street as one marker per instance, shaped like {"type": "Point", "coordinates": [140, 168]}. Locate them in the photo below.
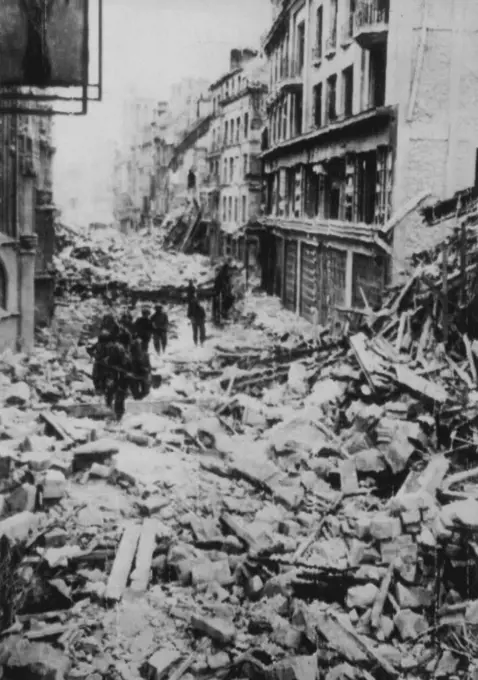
{"type": "Point", "coordinates": [271, 506]}
{"type": "Point", "coordinates": [238, 340]}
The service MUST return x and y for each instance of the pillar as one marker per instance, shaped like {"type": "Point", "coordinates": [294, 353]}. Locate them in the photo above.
{"type": "Point", "coordinates": [26, 208]}
{"type": "Point", "coordinates": [26, 266]}
{"type": "Point", "coordinates": [298, 292]}
{"type": "Point", "coordinates": [349, 278]}
{"type": "Point", "coordinates": [26, 261]}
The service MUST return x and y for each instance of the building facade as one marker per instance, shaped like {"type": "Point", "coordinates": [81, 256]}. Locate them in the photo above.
{"type": "Point", "coordinates": [26, 228]}
{"type": "Point", "coordinates": [234, 165]}
{"type": "Point", "coordinates": [371, 104]}
{"type": "Point", "coordinates": [142, 187]}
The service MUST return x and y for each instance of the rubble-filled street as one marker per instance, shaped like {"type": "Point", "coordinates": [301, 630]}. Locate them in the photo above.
{"type": "Point", "coordinates": [284, 503]}
{"type": "Point", "coordinates": [238, 340]}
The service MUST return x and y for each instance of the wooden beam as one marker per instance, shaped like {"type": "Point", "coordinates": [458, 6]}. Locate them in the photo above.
{"type": "Point", "coordinates": [147, 542]}
{"type": "Point", "coordinates": [445, 291]}
{"type": "Point", "coordinates": [122, 564]}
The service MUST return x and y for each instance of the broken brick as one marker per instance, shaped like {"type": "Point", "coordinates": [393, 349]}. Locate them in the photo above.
{"type": "Point", "coordinates": [206, 572]}
{"type": "Point", "coordinates": [383, 527]}
{"type": "Point", "coordinates": [160, 664]}
{"type": "Point", "coordinates": [409, 624]}
{"type": "Point", "coordinates": [217, 629]}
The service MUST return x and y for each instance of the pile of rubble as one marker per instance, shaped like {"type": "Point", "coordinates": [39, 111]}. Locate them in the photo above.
{"type": "Point", "coordinates": [107, 262]}
{"type": "Point", "coordinates": [325, 527]}
{"type": "Point", "coordinates": [311, 541]}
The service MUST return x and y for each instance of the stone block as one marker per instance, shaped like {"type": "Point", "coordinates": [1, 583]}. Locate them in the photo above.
{"type": "Point", "coordinates": [217, 629]}
{"type": "Point", "coordinates": [409, 624]}
{"type": "Point", "coordinates": [160, 664]}
{"type": "Point", "coordinates": [385, 528]}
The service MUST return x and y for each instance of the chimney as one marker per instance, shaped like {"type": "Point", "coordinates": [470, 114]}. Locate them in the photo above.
{"type": "Point", "coordinates": [248, 55]}
{"type": "Point", "coordinates": [235, 60]}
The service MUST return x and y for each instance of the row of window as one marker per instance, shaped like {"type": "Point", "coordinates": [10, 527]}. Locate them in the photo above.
{"type": "Point", "coordinates": [231, 87]}
{"type": "Point", "coordinates": [356, 189]}
{"type": "Point", "coordinates": [230, 209]}
{"type": "Point", "coordinates": [323, 115]}
{"type": "Point", "coordinates": [235, 130]}
{"type": "Point", "coordinates": [283, 66]}
{"type": "Point", "coordinates": [328, 102]}
{"type": "Point", "coordinates": [232, 169]}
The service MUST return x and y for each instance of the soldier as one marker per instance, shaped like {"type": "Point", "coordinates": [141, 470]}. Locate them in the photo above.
{"type": "Point", "coordinates": [99, 352]}
{"type": "Point", "coordinates": [216, 299]}
{"type": "Point", "coordinates": [227, 298]}
{"type": "Point", "coordinates": [140, 381]}
{"type": "Point", "coordinates": [160, 323]}
{"type": "Point", "coordinates": [198, 320]}
{"type": "Point", "coordinates": [126, 321]}
{"type": "Point", "coordinates": [119, 367]}
{"type": "Point", "coordinates": [191, 294]}
{"type": "Point", "coordinates": [143, 328]}
{"type": "Point", "coordinates": [108, 324]}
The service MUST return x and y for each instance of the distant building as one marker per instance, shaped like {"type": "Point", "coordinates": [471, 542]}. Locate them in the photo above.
{"type": "Point", "coordinates": [142, 188]}
{"type": "Point", "coordinates": [234, 164]}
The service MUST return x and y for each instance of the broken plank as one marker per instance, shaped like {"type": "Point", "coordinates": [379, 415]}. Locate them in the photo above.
{"type": "Point", "coordinates": [470, 357]}
{"type": "Point", "coordinates": [414, 382]}
{"type": "Point", "coordinates": [348, 477]}
{"type": "Point", "coordinates": [365, 645]}
{"type": "Point", "coordinates": [306, 545]}
{"type": "Point", "coordinates": [147, 542]}
{"type": "Point", "coordinates": [382, 594]}
{"type": "Point", "coordinates": [401, 331]}
{"type": "Point", "coordinates": [53, 630]}
{"type": "Point", "coordinates": [365, 360]}
{"type": "Point", "coordinates": [122, 564]}
{"type": "Point", "coordinates": [53, 422]}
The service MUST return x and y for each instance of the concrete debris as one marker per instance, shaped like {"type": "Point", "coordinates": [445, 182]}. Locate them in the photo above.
{"type": "Point", "coordinates": [326, 527]}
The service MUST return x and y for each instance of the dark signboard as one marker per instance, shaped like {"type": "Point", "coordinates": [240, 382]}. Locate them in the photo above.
{"type": "Point", "coordinates": [43, 43]}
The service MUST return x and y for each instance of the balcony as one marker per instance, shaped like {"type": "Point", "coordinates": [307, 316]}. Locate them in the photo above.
{"type": "Point", "coordinates": [371, 23]}
{"type": "Point", "coordinates": [215, 148]}
{"type": "Point", "coordinates": [211, 181]}
{"type": "Point", "coordinates": [290, 75]}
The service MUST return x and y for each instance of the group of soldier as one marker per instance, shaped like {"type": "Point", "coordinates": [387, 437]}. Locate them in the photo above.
{"type": "Point", "coordinates": [121, 354]}
{"type": "Point", "coordinates": [121, 358]}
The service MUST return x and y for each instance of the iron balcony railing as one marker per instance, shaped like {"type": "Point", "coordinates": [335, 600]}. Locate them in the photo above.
{"type": "Point", "coordinates": [290, 68]}
{"type": "Point", "coordinates": [371, 12]}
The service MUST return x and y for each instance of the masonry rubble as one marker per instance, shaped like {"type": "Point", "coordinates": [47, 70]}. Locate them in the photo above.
{"type": "Point", "coordinates": [106, 261]}
{"type": "Point", "coordinates": [324, 525]}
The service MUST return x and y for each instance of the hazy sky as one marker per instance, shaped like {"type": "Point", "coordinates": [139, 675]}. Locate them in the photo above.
{"type": "Point", "coordinates": [150, 44]}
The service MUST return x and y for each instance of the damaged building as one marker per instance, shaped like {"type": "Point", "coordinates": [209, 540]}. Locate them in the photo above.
{"type": "Point", "coordinates": [234, 165]}
{"type": "Point", "coordinates": [370, 107]}
{"type": "Point", "coordinates": [27, 230]}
